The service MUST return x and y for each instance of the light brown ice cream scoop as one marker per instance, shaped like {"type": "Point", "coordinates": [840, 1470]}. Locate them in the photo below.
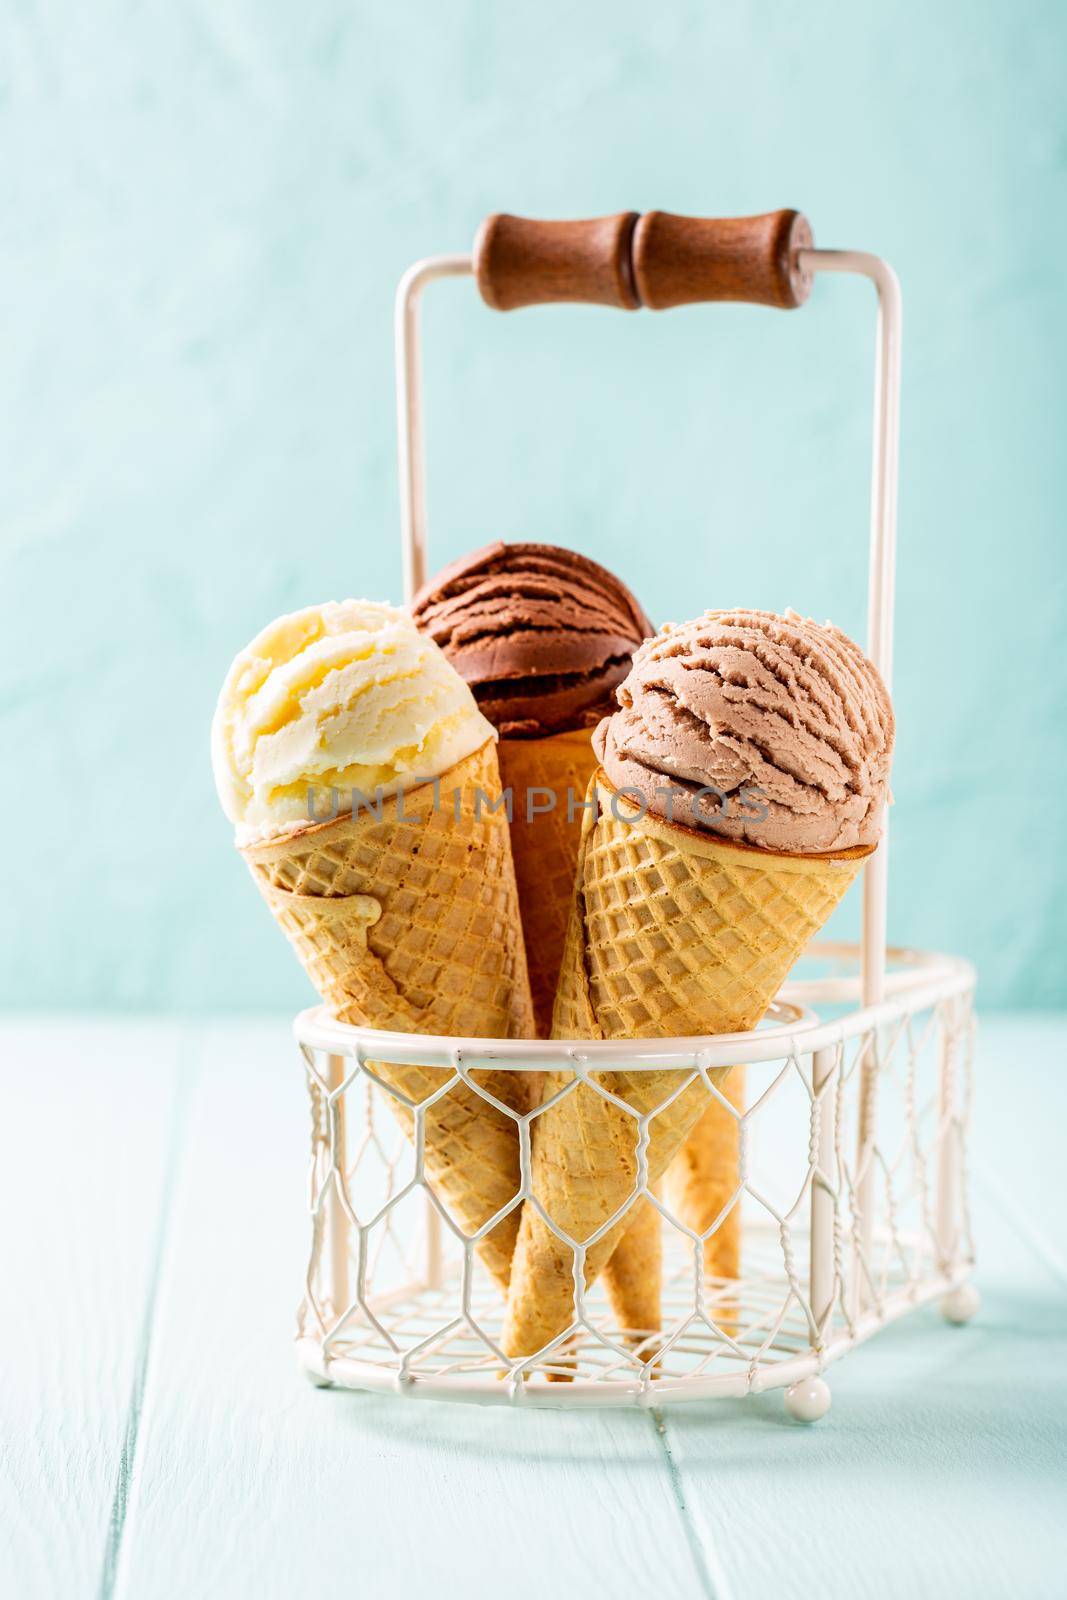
{"type": "Point", "coordinates": [774, 730]}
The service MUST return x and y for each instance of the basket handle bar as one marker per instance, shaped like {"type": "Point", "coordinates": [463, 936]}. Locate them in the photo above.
{"type": "Point", "coordinates": [657, 260]}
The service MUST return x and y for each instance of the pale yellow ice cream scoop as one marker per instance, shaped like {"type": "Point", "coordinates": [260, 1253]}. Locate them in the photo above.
{"type": "Point", "coordinates": [346, 695]}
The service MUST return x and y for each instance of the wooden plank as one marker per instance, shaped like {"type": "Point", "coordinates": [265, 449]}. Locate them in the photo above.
{"type": "Point", "coordinates": [249, 1482]}
{"type": "Point", "coordinates": [84, 1148]}
{"type": "Point", "coordinates": [938, 1472]}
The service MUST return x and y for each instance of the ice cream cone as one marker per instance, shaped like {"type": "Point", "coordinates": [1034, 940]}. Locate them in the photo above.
{"type": "Point", "coordinates": [673, 932]}
{"type": "Point", "coordinates": [544, 846]}
{"type": "Point", "coordinates": [632, 1276]}
{"type": "Point", "coordinates": [703, 1178]}
{"type": "Point", "coordinates": [543, 636]}
{"type": "Point", "coordinates": [548, 779]}
{"type": "Point", "coordinates": [410, 921]}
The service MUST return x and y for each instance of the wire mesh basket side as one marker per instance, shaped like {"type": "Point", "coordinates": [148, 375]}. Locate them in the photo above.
{"type": "Point", "coordinates": [851, 1187]}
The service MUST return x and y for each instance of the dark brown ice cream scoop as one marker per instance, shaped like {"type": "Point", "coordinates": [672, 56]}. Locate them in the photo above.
{"type": "Point", "coordinates": [542, 635]}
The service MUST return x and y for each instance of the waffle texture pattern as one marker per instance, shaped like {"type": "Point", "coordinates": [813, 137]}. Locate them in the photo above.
{"type": "Point", "coordinates": [672, 933]}
{"type": "Point", "coordinates": [411, 923]}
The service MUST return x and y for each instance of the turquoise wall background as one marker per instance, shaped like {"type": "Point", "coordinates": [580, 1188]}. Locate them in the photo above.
{"type": "Point", "coordinates": [205, 211]}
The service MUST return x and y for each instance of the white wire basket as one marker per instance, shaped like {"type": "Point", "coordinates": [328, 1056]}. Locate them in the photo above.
{"type": "Point", "coordinates": [852, 1166]}
{"type": "Point", "coordinates": [852, 1188]}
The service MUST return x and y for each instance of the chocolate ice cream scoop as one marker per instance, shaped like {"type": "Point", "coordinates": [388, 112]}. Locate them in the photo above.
{"type": "Point", "coordinates": [542, 635]}
{"type": "Point", "coordinates": [769, 729]}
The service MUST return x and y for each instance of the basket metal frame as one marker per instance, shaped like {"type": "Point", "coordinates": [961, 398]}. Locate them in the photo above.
{"type": "Point", "coordinates": [831, 1288]}
{"type": "Point", "coordinates": [878, 999]}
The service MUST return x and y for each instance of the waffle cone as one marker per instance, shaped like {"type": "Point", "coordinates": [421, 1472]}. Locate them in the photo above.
{"type": "Point", "coordinates": [544, 847]}
{"type": "Point", "coordinates": [410, 922]}
{"type": "Point", "coordinates": [703, 1178]}
{"type": "Point", "coordinates": [632, 1279]}
{"type": "Point", "coordinates": [633, 1272]}
{"type": "Point", "coordinates": [672, 933]}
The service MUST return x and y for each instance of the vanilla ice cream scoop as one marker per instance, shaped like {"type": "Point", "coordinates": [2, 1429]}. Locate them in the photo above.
{"type": "Point", "coordinates": [773, 730]}
{"type": "Point", "coordinates": [346, 695]}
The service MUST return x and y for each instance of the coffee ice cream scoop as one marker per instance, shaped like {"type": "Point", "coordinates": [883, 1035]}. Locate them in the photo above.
{"type": "Point", "coordinates": [542, 635]}
{"type": "Point", "coordinates": [773, 730]}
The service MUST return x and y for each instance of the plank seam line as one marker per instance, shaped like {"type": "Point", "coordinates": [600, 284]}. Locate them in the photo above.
{"type": "Point", "coordinates": [1021, 1224]}
{"type": "Point", "coordinates": [127, 1457]}
{"type": "Point", "coordinates": [711, 1588]}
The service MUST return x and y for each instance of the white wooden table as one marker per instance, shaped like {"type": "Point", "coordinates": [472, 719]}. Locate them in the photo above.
{"type": "Point", "coordinates": [157, 1440]}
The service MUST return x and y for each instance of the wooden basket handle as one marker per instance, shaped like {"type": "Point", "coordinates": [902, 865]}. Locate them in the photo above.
{"type": "Point", "coordinates": [656, 260]}
{"type": "Point", "coordinates": [520, 262]}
